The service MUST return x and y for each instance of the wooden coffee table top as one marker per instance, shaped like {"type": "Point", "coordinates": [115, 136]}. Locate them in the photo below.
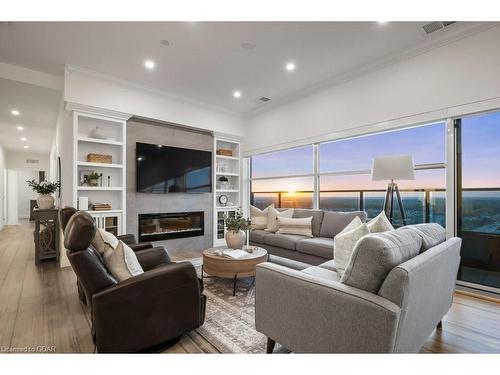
{"type": "Point", "coordinates": [216, 265]}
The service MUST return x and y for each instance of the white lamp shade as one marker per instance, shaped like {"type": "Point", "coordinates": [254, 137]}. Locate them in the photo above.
{"type": "Point", "coordinates": [393, 167]}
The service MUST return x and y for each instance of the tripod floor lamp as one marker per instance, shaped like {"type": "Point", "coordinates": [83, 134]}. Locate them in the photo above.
{"type": "Point", "coordinates": [390, 168]}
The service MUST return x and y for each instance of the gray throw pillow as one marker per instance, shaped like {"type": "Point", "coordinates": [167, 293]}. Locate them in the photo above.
{"type": "Point", "coordinates": [335, 222]}
{"type": "Point", "coordinates": [375, 255]}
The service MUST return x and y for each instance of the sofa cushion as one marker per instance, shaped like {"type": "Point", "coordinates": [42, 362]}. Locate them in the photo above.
{"type": "Point", "coordinates": [317, 218]}
{"type": "Point", "coordinates": [286, 241]}
{"type": "Point", "coordinates": [272, 219]}
{"type": "Point", "coordinates": [318, 246]}
{"type": "Point", "coordinates": [322, 273]}
{"type": "Point", "coordinates": [375, 255]}
{"type": "Point", "coordinates": [259, 217]}
{"type": "Point", "coordinates": [329, 265]}
{"type": "Point", "coordinates": [432, 234]}
{"type": "Point", "coordinates": [345, 241]}
{"type": "Point", "coordinates": [380, 223]}
{"type": "Point", "coordinates": [258, 235]}
{"type": "Point", "coordinates": [122, 262]}
{"type": "Point", "coordinates": [300, 226]}
{"type": "Point", "coordinates": [104, 241]}
{"type": "Point", "coordinates": [334, 222]}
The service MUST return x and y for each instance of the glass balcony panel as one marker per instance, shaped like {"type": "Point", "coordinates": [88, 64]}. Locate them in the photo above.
{"type": "Point", "coordinates": [337, 201]}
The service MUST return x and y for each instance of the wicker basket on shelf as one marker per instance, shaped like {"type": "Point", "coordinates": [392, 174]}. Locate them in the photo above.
{"type": "Point", "coordinates": [99, 158]}
{"type": "Point", "coordinates": [225, 152]}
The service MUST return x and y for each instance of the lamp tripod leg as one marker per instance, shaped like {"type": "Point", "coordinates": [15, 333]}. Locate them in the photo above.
{"type": "Point", "coordinates": [400, 204]}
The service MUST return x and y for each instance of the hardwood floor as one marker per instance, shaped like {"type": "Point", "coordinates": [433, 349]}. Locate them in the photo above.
{"type": "Point", "coordinates": [39, 307]}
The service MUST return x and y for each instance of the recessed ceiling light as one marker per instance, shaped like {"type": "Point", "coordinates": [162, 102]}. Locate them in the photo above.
{"type": "Point", "coordinates": [290, 66]}
{"type": "Point", "coordinates": [19, 128]}
{"type": "Point", "coordinates": [26, 146]}
{"type": "Point", "coordinates": [237, 94]}
{"type": "Point", "coordinates": [23, 139]}
{"type": "Point", "coordinates": [15, 112]}
{"type": "Point", "coordinates": [149, 64]}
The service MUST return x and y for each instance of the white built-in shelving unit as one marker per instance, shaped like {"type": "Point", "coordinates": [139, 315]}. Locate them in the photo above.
{"type": "Point", "coordinates": [230, 168]}
{"type": "Point", "coordinates": [114, 191]}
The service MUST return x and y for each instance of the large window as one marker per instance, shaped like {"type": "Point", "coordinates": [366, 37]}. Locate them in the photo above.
{"type": "Point", "coordinates": [286, 178]}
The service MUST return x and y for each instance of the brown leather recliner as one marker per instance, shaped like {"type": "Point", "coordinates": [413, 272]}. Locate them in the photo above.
{"type": "Point", "coordinates": [147, 257]}
{"type": "Point", "coordinates": [146, 310]}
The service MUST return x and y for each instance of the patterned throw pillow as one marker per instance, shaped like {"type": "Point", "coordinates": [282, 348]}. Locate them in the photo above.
{"type": "Point", "coordinates": [344, 242]}
{"type": "Point", "coordinates": [380, 223]}
{"type": "Point", "coordinates": [272, 219]}
{"type": "Point", "coordinates": [122, 262]}
{"type": "Point", "coordinates": [300, 226]}
{"type": "Point", "coordinates": [259, 217]}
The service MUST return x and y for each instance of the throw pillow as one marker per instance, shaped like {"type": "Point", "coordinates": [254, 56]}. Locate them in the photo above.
{"type": "Point", "coordinates": [259, 217]}
{"type": "Point", "coordinates": [300, 226]}
{"type": "Point", "coordinates": [380, 223]}
{"type": "Point", "coordinates": [122, 262]}
{"type": "Point", "coordinates": [104, 241]}
{"type": "Point", "coordinates": [272, 219]}
{"type": "Point", "coordinates": [345, 241]}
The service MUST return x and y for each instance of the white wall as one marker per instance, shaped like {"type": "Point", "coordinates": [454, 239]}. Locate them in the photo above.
{"type": "Point", "coordinates": [12, 212]}
{"type": "Point", "coordinates": [3, 165]}
{"type": "Point", "coordinates": [17, 161]}
{"type": "Point", "coordinates": [25, 193]}
{"type": "Point", "coordinates": [103, 92]}
{"type": "Point", "coordinates": [428, 86]}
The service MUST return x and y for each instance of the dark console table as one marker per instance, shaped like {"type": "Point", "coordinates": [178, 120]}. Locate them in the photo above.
{"type": "Point", "coordinates": [46, 234]}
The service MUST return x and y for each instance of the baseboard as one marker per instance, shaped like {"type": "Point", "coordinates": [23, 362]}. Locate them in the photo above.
{"type": "Point", "coordinates": [480, 294]}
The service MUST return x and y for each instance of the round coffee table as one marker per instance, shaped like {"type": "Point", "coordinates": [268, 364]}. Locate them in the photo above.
{"type": "Point", "coordinates": [220, 266]}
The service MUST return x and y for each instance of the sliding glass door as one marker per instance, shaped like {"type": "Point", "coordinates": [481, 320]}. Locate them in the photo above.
{"type": "Point", "coordinates": [478, 197]}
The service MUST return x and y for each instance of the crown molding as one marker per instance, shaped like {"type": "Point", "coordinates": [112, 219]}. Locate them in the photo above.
{"type": "Point", "coordinates": [70, 106]}
{"type": "Point", "coordinates": [148, 89]}
{"type": "Point", "coordinates": [30, 76]}
{"type": "Point", "coordinates": [456, 32]}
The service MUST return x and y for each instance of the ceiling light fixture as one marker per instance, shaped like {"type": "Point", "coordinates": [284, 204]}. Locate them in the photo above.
{"type": "Point", "coordinates": [15, 112]}
{"type": "Point", "coordinates": [23, 139]}
{"type": "Point", "coordinates": [26, 146]}
{"type": "Point", "coordinates": [237, 94]}
{"type": "Point", "coordinates": [149, 64]}
{"type": "Point", "coordinates": [290, 66]}
{"type": "Point", "coordinates": [19, 128]}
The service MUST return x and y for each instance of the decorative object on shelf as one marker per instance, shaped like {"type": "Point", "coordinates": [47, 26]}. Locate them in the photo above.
{"type": "Point", "coordinates": [109, 181]}
{"type": "Point", "coordinates": [235, 235]}
{"type": "Point", "coordinates": [101, 206]}
{"type": "Point", "coordinates": [97, 133]}
{"type": "Point", "coordinates": [91, 179]}
{"type": "Point", "coordinates": [100, 158]}
{"type": "Point", "coordinates": [224, 152]}
{"type": "Point", "coordinates": [222, 199]}
{"type": "Point", "coordinates": [223, 181]}
{"type": "Point", "coordinates": [45, 189]}
{"type": "Point", "coordinates": [394, 167]}
{"type": "Point", "coordinates": [83, 203]}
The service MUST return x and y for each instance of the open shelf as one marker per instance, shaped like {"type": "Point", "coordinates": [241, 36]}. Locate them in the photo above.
{"type": "Point", "coordinates": [101, 165]}
{"type": "Point", "coordinates": [104, 211]}
{"type": "Point", "coordinates": [101, 141]}
{"type": "Point", "coordinates": [227, 157]}
{"type": "Point", "coordinates": [227, 190]}
{"type": "Point", "coordinates": [99, 188]}
{"type": "Point", "coordinates": [227, 174]}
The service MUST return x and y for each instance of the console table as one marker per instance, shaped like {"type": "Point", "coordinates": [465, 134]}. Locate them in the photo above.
{"type": "Point", "coordinates": [46, 234]}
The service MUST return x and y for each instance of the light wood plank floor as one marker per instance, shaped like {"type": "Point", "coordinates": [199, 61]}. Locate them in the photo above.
{"type": "Point", "coordinates": [39, 307]}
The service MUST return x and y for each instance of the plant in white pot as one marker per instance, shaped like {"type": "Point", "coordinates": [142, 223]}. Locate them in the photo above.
{"type": "Point", "coordinates": [45, 189]}
{"type": "Point", "coordinates": [236, 227]}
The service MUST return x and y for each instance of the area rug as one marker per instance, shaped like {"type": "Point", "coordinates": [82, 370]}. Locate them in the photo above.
{"type": "Point", "coordinates": [230, 320]}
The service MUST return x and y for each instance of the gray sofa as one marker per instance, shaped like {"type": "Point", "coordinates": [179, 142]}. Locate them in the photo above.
{"type": "Point", "coordinates": [397, 287]}
{"type": "Point", "coordinates": [325, 226]}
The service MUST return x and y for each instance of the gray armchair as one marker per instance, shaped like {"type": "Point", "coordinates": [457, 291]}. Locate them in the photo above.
{"type": "Point", "coordinates": [317, 311]}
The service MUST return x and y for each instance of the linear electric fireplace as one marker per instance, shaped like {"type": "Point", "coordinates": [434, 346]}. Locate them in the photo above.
{"type": "Point", "coordinates": [165, 226]}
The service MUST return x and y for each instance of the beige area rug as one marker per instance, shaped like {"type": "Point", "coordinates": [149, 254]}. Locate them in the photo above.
{"type": "Point", "coordinates": [230, 320]}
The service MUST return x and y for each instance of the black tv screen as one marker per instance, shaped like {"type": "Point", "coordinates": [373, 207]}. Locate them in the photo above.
{"type": "Point", "coordinates": [166, 169]}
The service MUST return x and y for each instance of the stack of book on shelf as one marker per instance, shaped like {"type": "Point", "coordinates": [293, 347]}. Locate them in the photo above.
{"type": "Point", "coordinates": [101, 207]}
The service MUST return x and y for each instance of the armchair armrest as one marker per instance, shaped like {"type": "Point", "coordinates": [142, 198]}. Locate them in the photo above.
{"type": "Point", "coordinates": [128, 239]}
{"type": "Point", "coordinates": [152, 257]}
{"type": "Point", "coordinates": [148, 309]}
{"type": "Point", "coordinates": [309, 314]}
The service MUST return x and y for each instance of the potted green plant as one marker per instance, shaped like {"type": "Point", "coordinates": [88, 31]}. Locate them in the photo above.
{"type": "Point", "coordinates": [236, 227]}
{"type": "Point", "coordinates": [92, 179]}
{"type": "Point", "coordinates": [45, 189]}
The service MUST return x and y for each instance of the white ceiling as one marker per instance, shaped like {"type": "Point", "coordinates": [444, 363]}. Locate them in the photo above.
{"type": "Point", "coordinates": [205, 60]}
{"type": "Point", "coordinates": [38, 107]}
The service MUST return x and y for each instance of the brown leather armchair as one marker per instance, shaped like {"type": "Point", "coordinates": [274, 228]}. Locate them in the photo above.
{"type": "Point", "coordinates": [146, 310]}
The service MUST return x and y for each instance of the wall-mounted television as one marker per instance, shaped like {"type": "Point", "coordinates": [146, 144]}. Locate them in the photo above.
{"type": "Point", "coordinates": [165, 169]}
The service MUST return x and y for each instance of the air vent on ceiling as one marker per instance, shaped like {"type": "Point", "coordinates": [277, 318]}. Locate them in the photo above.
{"type": "Point", "coordinates": [32, 161]}
{"type": "Point", "coordinates": [264, 99]}
{"type": "Point", "coordinates": [436, 25]}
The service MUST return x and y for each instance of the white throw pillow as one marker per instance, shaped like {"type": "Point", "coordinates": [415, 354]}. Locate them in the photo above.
{"type": "Point", "coordinates": [103, 241]}
{"type": "Point", "coordinates": [259, 217]}
{"type": "Point", "coordinates": [272, 219]}
{"type": "Point", "coordinates": [300, 226]}
{"type": "Point", "coordinates": [380, 223]}
{"type": "Point", "coordinates": [122, 262]}
{"type": "Point", "coordinates": [344, 242]}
